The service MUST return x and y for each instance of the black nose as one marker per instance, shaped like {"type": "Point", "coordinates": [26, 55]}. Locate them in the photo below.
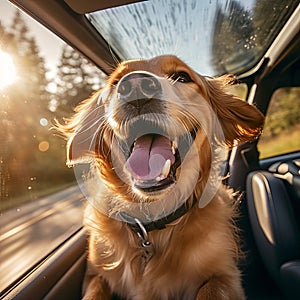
{"type": "Point", "coordinates": [138, 88]}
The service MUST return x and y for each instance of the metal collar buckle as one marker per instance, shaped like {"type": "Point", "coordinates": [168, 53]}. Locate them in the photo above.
{"type": "Point", "coordinates": [142, 233]}
{"type": "Point", "coordinates": [146, 244]}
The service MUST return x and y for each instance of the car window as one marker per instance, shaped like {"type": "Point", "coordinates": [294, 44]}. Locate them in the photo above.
{"type": "Point", "coordinates": [41, 80]}
{"type": "Point", "coordinates": [37, 88]}
{"type": "Point", "coordinates": [239, 90]}
{"type": "Point", "coordinates": [213, 37]}
{"type": "Point", "coordinates": [281, 133]}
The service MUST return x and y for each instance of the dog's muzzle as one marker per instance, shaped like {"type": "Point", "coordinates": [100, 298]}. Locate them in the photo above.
{"type": "Point", "coordinates": [152, 153]}
{"type": "Point", "coordinates": [139, 88]}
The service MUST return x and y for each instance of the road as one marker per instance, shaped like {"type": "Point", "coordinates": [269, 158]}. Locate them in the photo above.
{"type": "Point", "coordinates": [32, 231]}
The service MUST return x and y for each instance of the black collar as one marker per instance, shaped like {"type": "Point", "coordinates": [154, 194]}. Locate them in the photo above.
{"type": "Point", "coordinates": [159, 224]}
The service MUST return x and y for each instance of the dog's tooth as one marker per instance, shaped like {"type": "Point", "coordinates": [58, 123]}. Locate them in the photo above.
{"type": "Point", "coordinates": [166, 168]}
{"type": "Point", "coordinates": [175, 144]}
{"type": "Point", "coordinates": [173, 149]}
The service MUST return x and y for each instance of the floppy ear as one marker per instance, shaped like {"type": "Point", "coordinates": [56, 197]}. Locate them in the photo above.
{"type": "Point", "coordinates": [240, 121]}
{"type": "Point", "coordinates": [82, 131]}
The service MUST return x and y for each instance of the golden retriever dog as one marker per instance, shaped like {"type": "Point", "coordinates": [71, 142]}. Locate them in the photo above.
{"type": "Point", "coordinates": [159, 221]}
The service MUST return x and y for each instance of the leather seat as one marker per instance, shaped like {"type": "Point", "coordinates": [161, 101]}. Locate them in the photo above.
{"type": "Point", "coordinates": [273, 199]}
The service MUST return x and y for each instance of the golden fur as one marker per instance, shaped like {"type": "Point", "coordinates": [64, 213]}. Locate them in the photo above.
{"type": "Point", "coordinates": [196, 255]}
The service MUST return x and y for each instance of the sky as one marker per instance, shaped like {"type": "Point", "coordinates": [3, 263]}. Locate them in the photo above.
{"type": "Point", "coordinates": [49, 44]}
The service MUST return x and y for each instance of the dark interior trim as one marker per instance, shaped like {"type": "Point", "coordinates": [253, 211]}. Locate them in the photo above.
{"type": "Point", "coordinates": [86, 6]}
{"type": "Point", "coordinates": [73, 28]}
{"type": "Point", "coordinates": [66, 264]}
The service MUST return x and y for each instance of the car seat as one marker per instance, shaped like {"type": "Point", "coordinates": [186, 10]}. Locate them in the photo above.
{"type": "Point", "coordinates": [273, 200]}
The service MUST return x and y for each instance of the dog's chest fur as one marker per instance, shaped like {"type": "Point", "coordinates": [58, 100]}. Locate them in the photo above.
{"type": "Point", "coordinates": [190, 246]}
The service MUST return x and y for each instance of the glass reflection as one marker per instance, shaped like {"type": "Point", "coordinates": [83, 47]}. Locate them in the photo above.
{"type": "Point", "coordinates": [34, 92]}
{"type": "Point", "coordinates": [212, 36]}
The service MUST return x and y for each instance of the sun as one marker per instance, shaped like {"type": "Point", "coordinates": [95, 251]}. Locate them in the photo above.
{"type": "Point", "coordinates": [7, 70]}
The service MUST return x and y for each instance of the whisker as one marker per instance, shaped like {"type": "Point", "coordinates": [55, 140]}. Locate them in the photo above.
{"type": "Point", "coordinates": [98, 107]}
{"type": "Point", "coordinates": [91, 126]}
{"type": "Point", "coordinates": [104, 128]}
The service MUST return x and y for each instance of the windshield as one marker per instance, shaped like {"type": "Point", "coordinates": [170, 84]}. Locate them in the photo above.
{"type": "Point", "coordinates": [213, 37]}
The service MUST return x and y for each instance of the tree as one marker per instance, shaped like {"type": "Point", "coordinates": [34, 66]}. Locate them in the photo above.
{"type": "Point", "coordinates": [240, 36]}
{"type": "Point", "coordinates": [233, 38]}
{"type": "Point", "coordinates": [32, 158]}
{"type": "Point", "coordinates": [77, 79]}
{"type": "Point", "coordinates": [283, 112]}
{"type": "Point", "coordinates": [4, 170]}
{"type": "Point", "coordinates": [268, 16]}
{"type": "Point", "coordinates": [26, 102]}
{"type": "Point", "coordinates": [20, 32]}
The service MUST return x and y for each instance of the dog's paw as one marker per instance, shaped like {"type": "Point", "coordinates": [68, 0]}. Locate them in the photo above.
{"type": "Point", "coordinates": [221, 288]}
{"type": "Point", "coordinates": [97, 290]}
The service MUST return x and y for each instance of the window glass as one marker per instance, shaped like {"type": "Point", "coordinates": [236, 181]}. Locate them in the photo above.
{"type": "Point", "coordinates": [36, 87]}
{"type": "Point", "coordinates": [41, 80]}
{"type": "Point", "coordinates": [239, 90]}
{"type": "Point", "coordinates": [281, 132]}
{"type": "Point", "coordinates": [213, 37]}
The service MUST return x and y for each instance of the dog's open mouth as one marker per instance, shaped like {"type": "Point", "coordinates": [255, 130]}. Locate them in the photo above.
{"type": "Point", "coordinates": [154, 158]}
{"type": "Point", "coordinates": [150, 162]}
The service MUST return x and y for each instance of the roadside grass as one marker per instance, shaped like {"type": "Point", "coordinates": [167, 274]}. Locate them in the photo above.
{"type": "Point", "coordinates": [287, 141]}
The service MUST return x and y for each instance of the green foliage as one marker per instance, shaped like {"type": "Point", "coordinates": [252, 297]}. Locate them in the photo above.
{"type": "Point", "coordinates": [281, 132]}
{"type": "Point", "coordinates": [241, 36]}
{"type": "Point", "coordinates": [246, 34]}
{"type": "Point", "coordinates": [283, 112]}
{"type": "Point", "coordinates": [32, 157]}
{"type": "Point", "coordinates": [22, 105]}
{"type": "Point", "coordinates": [285, 142]}
{"type": "Point", "coordinates": [268, 16]}
{"type": "Point", "coordinates": [233, 33]}
{"type": "Point", "coordinates": [76, 79]}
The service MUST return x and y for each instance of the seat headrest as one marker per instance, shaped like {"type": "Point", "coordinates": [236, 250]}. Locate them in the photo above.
{"type": "Point", "coordinates": [290, 172]}
{"type": "Point", "coordinates": [283, 167]}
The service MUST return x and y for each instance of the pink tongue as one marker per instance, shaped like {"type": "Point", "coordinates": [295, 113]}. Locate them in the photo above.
{"type": "Point", "coordinates": [149, 155]}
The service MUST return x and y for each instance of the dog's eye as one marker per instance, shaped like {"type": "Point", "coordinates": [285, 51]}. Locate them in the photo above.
{"type": "Point", "coordinates": [182, 76]}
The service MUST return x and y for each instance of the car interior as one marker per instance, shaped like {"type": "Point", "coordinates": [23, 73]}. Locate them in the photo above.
{"type": "Point", "coordinates": [269, 186]}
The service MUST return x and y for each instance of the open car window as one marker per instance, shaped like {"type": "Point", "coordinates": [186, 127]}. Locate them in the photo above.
{"type": "Point", "coordinates": [41, 80]}
{"type": "Point", "coordinates": [281, 134]}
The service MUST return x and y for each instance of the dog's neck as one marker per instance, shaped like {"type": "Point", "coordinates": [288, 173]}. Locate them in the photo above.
{"type": "Point", "coordinates": [142, 229]}
{"type": "Point", "coordinates": [137, 226]}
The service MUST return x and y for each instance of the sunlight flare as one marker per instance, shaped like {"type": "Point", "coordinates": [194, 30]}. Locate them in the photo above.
{"type": "Point", "coordinates": [7, 70]}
